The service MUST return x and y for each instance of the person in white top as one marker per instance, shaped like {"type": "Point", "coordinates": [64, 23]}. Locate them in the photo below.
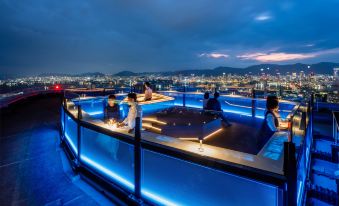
{"type": "Point", "coordinates": [272, 117]}
{"type": "Point", "coordinates": [133, 112]}
{"type": "Point", "coordinates": [205, 100]}
{"type": "Point", "coordinates": [148, 91]}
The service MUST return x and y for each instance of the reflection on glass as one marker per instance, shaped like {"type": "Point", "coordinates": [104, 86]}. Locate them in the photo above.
{"type": "Point", "coordinates": [109, 156]}
{"type": "Point", "coordinates": [71, 133]}
{"type": "Point", "coordinates": [193, 184]}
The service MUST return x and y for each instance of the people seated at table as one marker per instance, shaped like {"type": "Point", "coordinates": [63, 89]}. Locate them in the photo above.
{"type": "Point", "coordinates": [214, 106]}
{"type": "Point", "coordinates": [272, 117]}
{"type": "Point", "coordinates": [148, 92]}
{"type": "Point", "coordinates": [205, 100]}
{"type": "Point", "coordinates": [111, 110]}
{"type": "Point", "coordinates": [134, 110]}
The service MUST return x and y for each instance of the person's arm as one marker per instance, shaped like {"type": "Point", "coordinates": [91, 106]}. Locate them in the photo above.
{"type": "Point", "coordinates": [270, 123]}
{"type": "Point", "coordinates": [105, 113]}
{"type": "Point", "coordinates": [282, 124]}
{"type": "Point", "coordinates": [126, 119]}
{"type": "Point", "coordinates": [131, 118]}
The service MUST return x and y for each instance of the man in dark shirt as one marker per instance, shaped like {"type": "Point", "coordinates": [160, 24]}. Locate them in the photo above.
{"type": "Point", "coordinates": [112, 110]}
{"type": "Point", "coordinates": [213, 105]}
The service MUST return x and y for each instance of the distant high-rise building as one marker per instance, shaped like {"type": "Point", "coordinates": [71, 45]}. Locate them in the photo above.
{"type": "Point", "coordinates": [335, 72]}
{"type": "Point", "coordinates": [294, 75]}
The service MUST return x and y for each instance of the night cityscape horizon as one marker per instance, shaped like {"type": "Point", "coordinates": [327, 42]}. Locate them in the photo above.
{"type": "Point", "coordinates": [295, 67]}
{"type": "Point", "coordinates": [169, 103]}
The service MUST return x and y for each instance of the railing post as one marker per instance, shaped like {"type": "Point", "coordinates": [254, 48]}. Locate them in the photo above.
{"type": "Point", "coordinates": [335, 147]}
{"type": "Point", "coordinates": [311, 111]}
{"type": "Point", "coordinates": [65, 102]}
{"type": "Point", "coordinates": [137, 159]}
{"type": "Point", "coordinates": [290, 172]}
{"type": "Point", "coordinates": [63, 107]}
{"type": "Point", "coordinates": [184, 97]}
{"type": "Point", "coordinates": [253, 102]}
{"type": "Point", "coordinates": [79, 134]}
{"type": "Point", "coordinates": [290, 126]}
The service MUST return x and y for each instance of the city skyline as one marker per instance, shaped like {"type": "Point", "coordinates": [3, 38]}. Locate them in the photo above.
{"type": "Point", "coordinates": [108, 37]}
{"type": "Point", "coordinates": [326, 68]}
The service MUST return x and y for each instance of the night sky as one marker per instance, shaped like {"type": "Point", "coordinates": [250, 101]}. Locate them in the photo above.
{"type": "Point", "coordinates": [76, 36]}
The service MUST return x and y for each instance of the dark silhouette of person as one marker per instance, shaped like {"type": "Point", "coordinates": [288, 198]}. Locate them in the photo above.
{"type": "Point", "coordinates": [214, 106]}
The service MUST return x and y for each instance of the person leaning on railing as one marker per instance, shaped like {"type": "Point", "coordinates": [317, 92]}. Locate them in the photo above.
{"type": "Point", "coordinates": [214, 107]}
{"type": "Point", "coordinates": [148, 92]}
{"type": "Point", "coordinates": [272, 117]}
{"type": "Point", "coordinates": [205, 100]}
{"type": "Point", "coordinates": [111, 110]}
{"type": "Point", "coordinates": [129, 122]}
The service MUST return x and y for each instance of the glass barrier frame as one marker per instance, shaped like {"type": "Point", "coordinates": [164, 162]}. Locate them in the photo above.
{"type": "Point", "coordinates": [238, 170]}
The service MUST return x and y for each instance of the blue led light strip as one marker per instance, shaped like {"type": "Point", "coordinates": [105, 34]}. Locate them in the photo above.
{"type": "Point", "coordinates": [124, 182]}
{"type": "Point", "coordinates": [69, 140]}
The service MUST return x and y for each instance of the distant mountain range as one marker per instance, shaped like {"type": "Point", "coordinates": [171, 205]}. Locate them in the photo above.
{"type": "Point", "coordinates": [88, 74]}
{"type": "Point", "coordinates": [319, 68]}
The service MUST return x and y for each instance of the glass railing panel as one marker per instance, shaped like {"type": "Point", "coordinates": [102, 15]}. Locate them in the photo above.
{"type": "Point", "coordinates": [231, 103]}
{"type": "Point", "coordinates": [303, 151]}
{"type": "Point", "coordinates": [108, 156]}
{"type": "Point", "coordinates": [71, 131]}
{"type": "Point", "coordinates": [194, 184]}
{"type": "Point", "coordinates": [178, 97]}
{"type": "Point", "coordinates": [93, 106]}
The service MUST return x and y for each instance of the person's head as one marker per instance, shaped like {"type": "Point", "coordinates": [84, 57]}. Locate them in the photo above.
{"type": "Point", "coordinates": [132, 97]}
{"type": "Point", "coordinates": [147, 85]}
{"type": "Point", "coordinates": [216, 95]}
{"type": "Point", "coordinates": [206, 95]}
{"type": "Point", "coordinates": [111, 99]}
{"type": "Point", "coordinates": [272, 103]}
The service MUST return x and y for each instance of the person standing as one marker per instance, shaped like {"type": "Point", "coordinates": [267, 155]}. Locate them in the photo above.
{"type": "Point", "coordinates": [148, 92]}
{"type": "Point", "coordinates": [133, 112]}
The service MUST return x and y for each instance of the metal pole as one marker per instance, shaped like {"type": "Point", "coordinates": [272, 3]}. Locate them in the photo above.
{"type": "Point", "coordinates": [290, 172]}
{"type": "Point", "coordinates": [253, 102]}
{"type": "Point", "coordinates": [184, 97]}
{"type": "Point", "coordinates": [311, 111]}
{"type": "Point", "coordinates": [290, 135]}
{"type": "Point", "coordinates": [137, 159]}
{"type": "Point", "coordinates": [64, 119]}
{"type": "Point", "coordinates": [79, 134]}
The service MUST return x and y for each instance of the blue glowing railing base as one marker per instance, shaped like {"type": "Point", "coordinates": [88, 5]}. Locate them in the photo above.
{"type": "Point", "coordinates": [114, 175]}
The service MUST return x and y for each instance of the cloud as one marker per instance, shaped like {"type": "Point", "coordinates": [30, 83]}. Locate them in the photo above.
{"type": "Point", "coordinates": [214, 55]}
{"type": "Point", "coordinates": [282, 56]}
{"type": "Point", "coordinates": [310, 45]}
{"type": "Point", "coordinates": [275, 57]}
{"type": "Point", "coordinates": [263, 17]}
{"type": "Point", "coordinates": [112, 35]}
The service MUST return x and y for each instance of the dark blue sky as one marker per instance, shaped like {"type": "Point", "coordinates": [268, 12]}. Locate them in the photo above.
{"type": "Point", "coordinates": [152, 35]}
